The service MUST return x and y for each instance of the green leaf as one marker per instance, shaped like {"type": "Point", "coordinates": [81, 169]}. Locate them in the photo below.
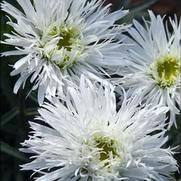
{"type": "Point", "coordinates": [19, 177]}
{"type": "Point", "coordinates": [7, 117]}
{"type": "Point", "coordinates": [33, 97]}
{"type": "Point", "coordinates": [5, 84]}
{"type": "Point", "coordinates": [143, 6]}
{"type": "Point", "coordinates": [7, 174]}
{"type": "Point", "coordinates": [31, 112]}
{"type": "Point", "coordinates": [126, 3]}
{"type": "Point", "coordinates": [5, 148]}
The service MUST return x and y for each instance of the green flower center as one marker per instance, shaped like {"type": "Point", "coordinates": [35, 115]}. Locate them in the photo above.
{"type": "Point", "coordinates": [68, 36]}
{"type": "Point", "coordinates": [107, 146]}
{"type": "Point", "coordinates": [167, 69]}
{"type": "Point", "coordinates": [106, 152]}
{"type": "Point", "coordinates": [68, 40]}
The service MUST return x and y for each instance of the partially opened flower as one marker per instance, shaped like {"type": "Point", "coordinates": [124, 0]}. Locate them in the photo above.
{"type": "Point", "coordinates": [154, 64]}
{"type": "Point", "coordinates": [85, 138]}
{"type": "Point", "coordinates": [60, 40]}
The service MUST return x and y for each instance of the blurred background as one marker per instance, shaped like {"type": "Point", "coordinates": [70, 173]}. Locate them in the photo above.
{"type": "Point", "coordinates": [17, 110]}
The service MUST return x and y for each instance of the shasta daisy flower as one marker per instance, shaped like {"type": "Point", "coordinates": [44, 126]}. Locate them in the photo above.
{"type": "Point", "coordinates": [86, 139]}
{"type": "Point", "coordinates": [154, 64]}
{"type": "Point", "coordinates": [60, 40]}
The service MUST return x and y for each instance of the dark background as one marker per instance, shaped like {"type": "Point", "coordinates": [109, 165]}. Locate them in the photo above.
{"type": "Point", "coordinates": [17, 110]}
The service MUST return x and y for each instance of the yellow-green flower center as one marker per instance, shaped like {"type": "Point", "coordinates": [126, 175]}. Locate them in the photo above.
{"type": "Point", "coordinates": [107, 146]}
{"type": "Point", "coordinates": [67, 35]}
{"type": "Point", "coordinates": [167, 70]}
{"type": "Point", "coordinates": [104, 150]}
{"type": "Point", "coordinates": [68, 47]}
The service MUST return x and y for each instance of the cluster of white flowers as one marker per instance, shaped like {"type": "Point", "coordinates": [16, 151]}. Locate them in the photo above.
{"type": "Point", "coordinates": [80, 61]}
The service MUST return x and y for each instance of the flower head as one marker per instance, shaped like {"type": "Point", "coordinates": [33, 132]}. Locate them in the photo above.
{"type": "Point", "coordinates": [154, 63]}
{"type": "Point", "coordinates": [60, 40]}
{"type": "Point", "coordinates": [85, 138]}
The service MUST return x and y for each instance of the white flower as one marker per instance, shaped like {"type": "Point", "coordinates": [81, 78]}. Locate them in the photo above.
{"type": "Point", "coordinates": [60, 40]}
{"type": "Point", "coordinates": [86, 139]}
{"type": "Point", "coordinates": [154, 64]}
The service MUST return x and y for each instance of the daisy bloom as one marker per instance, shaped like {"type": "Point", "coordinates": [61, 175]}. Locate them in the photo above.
{"type": "Point", "coordinates": [86, 139]}
{"type": "Point", "coordinates": [61, 39]}
{"type": "Point", "coordinates": [154, 65]}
